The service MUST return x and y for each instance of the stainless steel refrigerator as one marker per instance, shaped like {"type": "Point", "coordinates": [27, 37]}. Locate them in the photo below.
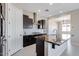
{"type": "Point", "coordinates": [1, 50]}
{"type": "Point", "coordinates": [1, 30]}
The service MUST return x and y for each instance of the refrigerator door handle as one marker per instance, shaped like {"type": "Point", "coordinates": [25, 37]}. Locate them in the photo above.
{"type": "Point", "coordinates": [2, 39]}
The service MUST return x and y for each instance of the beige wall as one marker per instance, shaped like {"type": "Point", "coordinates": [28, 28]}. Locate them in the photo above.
{"type": "Point", "coordinates": [75, 27]}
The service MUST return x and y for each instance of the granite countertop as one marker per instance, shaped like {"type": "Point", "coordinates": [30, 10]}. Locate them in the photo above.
{"type": "Point", "coordinates": [57, 42]}
{"type": "Point", "coordinates": [37, 33]}
{"type": "Point", "coordinates": [44, 35]}
{"type": "Point", "coordinates": [60, 42]}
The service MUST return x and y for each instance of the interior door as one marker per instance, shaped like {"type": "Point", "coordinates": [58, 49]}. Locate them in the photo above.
{"type": "Point", "coordinates": [15, 28]}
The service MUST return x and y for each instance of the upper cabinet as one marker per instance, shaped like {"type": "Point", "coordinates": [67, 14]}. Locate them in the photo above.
{"type": "Point", "coordinates": [27, 22]}
{"type": "Point", "coordinates": [41, 24]}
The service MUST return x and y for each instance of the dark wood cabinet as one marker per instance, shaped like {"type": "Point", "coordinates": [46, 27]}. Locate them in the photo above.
{"type": "Point", "coordinates": [40, 47]}
{"type": "Point", "coordinates": [27, 22]}
{"type": "Point", "coordinates": [28, 40]}
{"type": "Point", "coordinates": [41, 24]}
{"type": "Point", "coordinates": [35, 39]}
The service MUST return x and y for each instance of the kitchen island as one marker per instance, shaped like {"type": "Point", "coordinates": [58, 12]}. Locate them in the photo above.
{"type": "Point", "coordinates": [40, 39]}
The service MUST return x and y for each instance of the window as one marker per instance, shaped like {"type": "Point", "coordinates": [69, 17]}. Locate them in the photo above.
{"type": "Point", "coordinates": [66, 28]}
{"type": "Point", "coordinates": [66, 36]}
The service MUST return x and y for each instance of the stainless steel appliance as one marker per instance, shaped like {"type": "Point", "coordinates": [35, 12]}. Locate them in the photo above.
{"type": "Point", "coordinates": [1, 30]}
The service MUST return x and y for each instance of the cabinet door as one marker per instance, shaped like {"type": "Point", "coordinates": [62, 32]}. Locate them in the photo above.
{"type": "Point", "coordinates": [27, 22]}
{"type": "Point", "coordinates": [40, 47]}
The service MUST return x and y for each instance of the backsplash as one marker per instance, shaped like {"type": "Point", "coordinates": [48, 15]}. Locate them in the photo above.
{"type": "Point", "coordinates": [30, 31]}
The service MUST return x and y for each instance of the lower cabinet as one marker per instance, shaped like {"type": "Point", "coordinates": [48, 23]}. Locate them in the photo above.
{"type": "Point", "coordinates": [39, 41]}
{"type": "Point", "coordinates": [28, 40]}
{"type": "Point", "coordinates": [40, 47]}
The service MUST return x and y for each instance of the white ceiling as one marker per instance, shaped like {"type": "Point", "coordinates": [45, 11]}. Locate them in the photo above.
{"type": "Point", "coordinates": [54, 9]}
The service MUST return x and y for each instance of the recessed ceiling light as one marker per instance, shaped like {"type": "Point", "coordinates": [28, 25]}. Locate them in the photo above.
{"type": "Point", "coordinates": [38, 10]}
{"type": "Point", "coordinates": [50, 3]}
{"type": "Point", "coordinates": [50, 15]}
{"type": "Point", "coordinates": [60, 11]}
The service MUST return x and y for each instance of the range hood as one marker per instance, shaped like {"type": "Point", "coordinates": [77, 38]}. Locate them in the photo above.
{"type": "Point", "coordinates": [35, 20]}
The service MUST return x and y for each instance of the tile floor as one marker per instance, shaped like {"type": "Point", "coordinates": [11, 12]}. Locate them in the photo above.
{"type": "Point", "coordinates": [27, 51]}
{"type": "Point", "coordinates": [72, 50]}
{"type": "Point", "coordinates": [31, 51]}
